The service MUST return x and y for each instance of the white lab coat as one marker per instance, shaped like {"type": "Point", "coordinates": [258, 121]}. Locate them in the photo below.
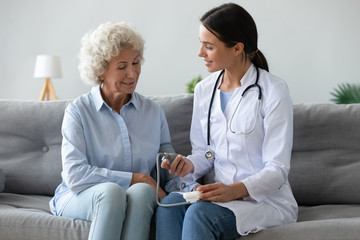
{"type": "Point", "coordinates": [261, 159]}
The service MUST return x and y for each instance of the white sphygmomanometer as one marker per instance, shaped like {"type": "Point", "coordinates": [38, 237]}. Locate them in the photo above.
{"type": "Point", "coordinates": [190, 197]}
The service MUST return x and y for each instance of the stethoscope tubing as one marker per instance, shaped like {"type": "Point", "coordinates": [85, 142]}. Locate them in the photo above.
{"type": "Point", "coordinates": [158, 160]}
{"type": "Point", "coordinates": [242, 95]}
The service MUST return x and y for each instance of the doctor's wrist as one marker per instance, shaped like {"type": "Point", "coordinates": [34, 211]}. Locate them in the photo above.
{"type": "Point", "coordinates": [239, 190]}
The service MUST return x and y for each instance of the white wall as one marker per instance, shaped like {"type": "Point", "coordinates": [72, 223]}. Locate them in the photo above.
{"type": "Point", "coordinates": [312, 45]}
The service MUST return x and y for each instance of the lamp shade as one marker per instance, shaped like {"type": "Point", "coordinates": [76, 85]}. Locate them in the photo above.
{"type": "Point", "coordinates": [47, 66]}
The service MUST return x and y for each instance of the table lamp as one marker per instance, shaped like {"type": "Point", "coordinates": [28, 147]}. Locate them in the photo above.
{"type": "Point", "coordinates": [47, 67]}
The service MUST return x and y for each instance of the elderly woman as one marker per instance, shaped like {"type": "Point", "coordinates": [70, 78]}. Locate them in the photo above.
{"type": "Point", "coordinates": [108, 151]}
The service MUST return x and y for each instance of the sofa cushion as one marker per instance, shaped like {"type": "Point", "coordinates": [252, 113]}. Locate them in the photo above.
{"type": "Point", "coordinates": [30, 146]}
{"type": "Point", "coordinates": [325, 164]}
{"type": "Point", "coordinates": [30, 156]}
{"type": "Point", "coordinates": [178, 111]}
{"type": "Point", "coordinates": [331, 211]}
{"type": "Point", "coordinates": [29, 217]}
{"type": "Point", "coordinates": [329, 229]}
{"type": "Point", "coordinates": [2, 180]}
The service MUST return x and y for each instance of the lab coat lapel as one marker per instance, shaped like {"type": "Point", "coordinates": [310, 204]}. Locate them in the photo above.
{"type": "Point", "coordinates": [218, 122]}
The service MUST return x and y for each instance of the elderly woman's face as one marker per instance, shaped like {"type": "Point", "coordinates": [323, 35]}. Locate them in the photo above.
{"type": "Point", "coordinates": [122, 73]}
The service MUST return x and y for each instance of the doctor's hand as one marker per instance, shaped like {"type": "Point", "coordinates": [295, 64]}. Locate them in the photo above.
{"type": "Point", "coordinates": [219, 192]}
{"type": "Point", "coordinates": [180, 167]}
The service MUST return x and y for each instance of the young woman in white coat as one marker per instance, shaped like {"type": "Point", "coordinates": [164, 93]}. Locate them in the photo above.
{"type": "Point", "coordinates": [242, 128]}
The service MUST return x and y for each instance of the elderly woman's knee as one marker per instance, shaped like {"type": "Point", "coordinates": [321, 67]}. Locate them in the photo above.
{"type": "Point", "coordinates": [111, 192]}
{"type": "Point", "coordinates": [140, 190]}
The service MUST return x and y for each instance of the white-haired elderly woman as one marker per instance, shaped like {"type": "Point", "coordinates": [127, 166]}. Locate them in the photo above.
{"type": "Point", "coordinates": [108, 151]}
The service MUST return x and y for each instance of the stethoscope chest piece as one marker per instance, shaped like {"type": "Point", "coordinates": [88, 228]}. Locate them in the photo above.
{"type": "Point", "coordinates": [209, 154]}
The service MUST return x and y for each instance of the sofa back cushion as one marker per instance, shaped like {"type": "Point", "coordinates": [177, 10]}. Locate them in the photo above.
{"type": "Point", "coordinates": [2, 180]}
{"type": "Point", "coordinates": [325, 164]}
{"type": "Point", "coordinates": [30, 135]}
{"type": "Point", "coordinates": [178, 111]}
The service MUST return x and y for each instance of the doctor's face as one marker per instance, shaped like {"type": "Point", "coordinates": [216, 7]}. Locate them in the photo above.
{"type": "Point", "coordinates": [216, 55]}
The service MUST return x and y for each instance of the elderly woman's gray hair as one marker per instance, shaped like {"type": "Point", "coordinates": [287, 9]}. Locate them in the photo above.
{"type": "Point", "coordinates": [104, 43]}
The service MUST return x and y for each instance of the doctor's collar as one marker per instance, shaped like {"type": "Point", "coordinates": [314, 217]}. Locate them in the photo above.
{"type": "Point", "coordinates": [244, 80]}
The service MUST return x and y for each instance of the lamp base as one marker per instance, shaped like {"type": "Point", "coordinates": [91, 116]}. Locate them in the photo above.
{"type": "Point", "coordinates": [47, 91]}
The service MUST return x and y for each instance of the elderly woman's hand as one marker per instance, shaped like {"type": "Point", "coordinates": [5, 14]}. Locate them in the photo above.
{"type": "Point", "coordinates": [144, 178]}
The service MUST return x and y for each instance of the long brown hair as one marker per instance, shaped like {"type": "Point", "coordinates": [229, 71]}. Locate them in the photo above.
{"type": "Point", "coordinates": [232, 24]}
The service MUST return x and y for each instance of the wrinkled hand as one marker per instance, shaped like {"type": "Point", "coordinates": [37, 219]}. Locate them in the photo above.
{"type": "Point", "coordinates": [144, 178]}
{"type": "Point", "coordinates": [180, 167]}
{"type": "Point", "coordinates": [219, 192]}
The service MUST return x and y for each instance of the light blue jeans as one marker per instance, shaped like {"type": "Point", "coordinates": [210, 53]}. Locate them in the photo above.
{"type": "Point", "coordinates": [115, 214]}
{"type": "Point", "coordinates": [201, 220]}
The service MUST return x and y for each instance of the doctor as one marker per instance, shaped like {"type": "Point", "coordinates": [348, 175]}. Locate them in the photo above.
{"type": "Point", "coordinates": [242, 128]}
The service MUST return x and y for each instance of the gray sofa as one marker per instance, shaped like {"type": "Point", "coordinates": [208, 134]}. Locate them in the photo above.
{"type": "Point", "coordinates": [325, 173]}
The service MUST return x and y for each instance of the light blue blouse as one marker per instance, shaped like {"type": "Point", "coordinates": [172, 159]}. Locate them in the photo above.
{"type": "Point", "coordinates": [99, 145]}
{"type": "Point", "coordinates": [224, 99]}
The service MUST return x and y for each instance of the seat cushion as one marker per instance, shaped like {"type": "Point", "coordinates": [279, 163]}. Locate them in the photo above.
{"type": "Point", "coordinates": [29, 215]}
{"type": "Point", "coordinates": [322, 212]}
{"type": "Point", "coordinates": [330, 229]}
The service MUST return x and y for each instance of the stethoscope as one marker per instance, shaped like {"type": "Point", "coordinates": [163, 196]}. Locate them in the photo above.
{"type": "Point", "coordinates": [209, 154]}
